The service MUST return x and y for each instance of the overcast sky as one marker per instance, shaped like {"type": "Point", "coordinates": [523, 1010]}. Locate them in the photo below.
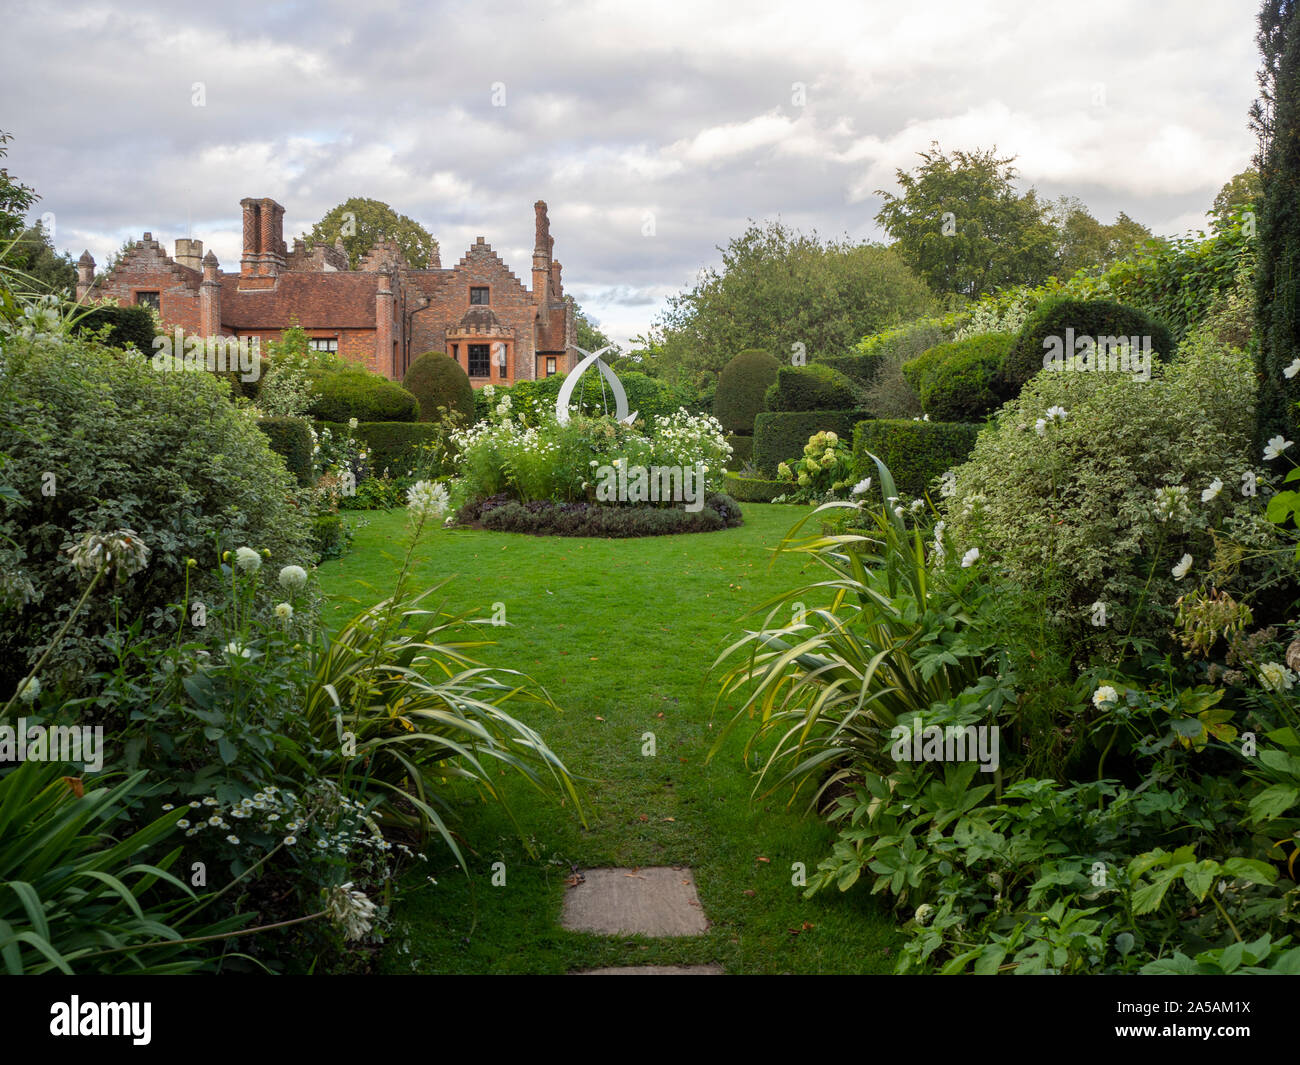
{"type": "Point", "coordinates": [686, 115]}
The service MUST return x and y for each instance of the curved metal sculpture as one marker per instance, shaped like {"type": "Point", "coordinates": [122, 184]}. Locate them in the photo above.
{"type": "Point", "coordinates": [616, 386]}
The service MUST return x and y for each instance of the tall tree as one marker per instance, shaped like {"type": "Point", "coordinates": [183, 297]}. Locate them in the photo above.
{"type": "Point", "coordinates": [44, 269]}
{"type": "Point", "coordinates": [786, 292]}
{"type": "Point", "coordinates": [1277, 117]}
{"type": "Point", "coordinates": [1083, 241]}
{"type": "Point", "coordinates": [589, 335]}
{"type": "Point", "coordinates": [1238, 194]}
{"type": "Point", "coordinates": [361, 222]}
{"type": "Point", "coordinates": [961, 224]}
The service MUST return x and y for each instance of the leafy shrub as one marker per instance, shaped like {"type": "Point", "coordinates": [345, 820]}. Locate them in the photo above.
{"type": "Point", "coordinates": [916, 451]}
{"type": "Point", "coordinates": [860, 369]}
{"type": "Point", "coordinates": [357, 393]}
{"type": "Point", "coordinates": [163, 454]}
{"type": "Point", "coordinates": [955, 381]}
{"type": "Point", "coordinates": [824, 470]}
{"type": "Point", "coordinates": [1088, 489]}
{"type": "Point", "coordinates": [437, 380]}
{"type": "Point", "coordinates": [742, 387]}
{"type": "Point", "coordinates": [780, 436]}
{"type": "Point", "coordinates": [329, 536]}
{"type": "Point", "coordinates": [290, 438]}
{"type": "Point", "coordinates": [812, 387]}
{"type": "Point", "coordinates": [754, 489]}
{"type": "Point", "coordinates": [1090, 318]}
{"type": "Point", "coordinates": [545, 518]}
{"type": "Point", "coordinates": [127, 326]}
{"type": "Point", "coordinates": [399, 447]}
{"type": "Point", "coordinates": [888, 395]}
{"type": "Point", "coordinates": [742, 449]}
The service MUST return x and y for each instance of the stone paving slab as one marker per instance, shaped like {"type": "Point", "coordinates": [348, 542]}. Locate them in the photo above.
{"type": "Point", "coordinates": [654, 970]}
{"type": "Point", "coordinates": [658, 901]}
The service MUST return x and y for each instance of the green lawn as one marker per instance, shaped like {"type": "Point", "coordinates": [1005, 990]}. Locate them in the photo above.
{"type": "Point", "coordinates": [623, 634]}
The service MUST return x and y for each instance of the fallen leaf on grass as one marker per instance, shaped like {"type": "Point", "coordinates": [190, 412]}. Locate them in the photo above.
{"type": "Point", "coordinates": [668, 819]}
{"type": "Point", "coordinates": [762, 859]}
{"type": "Point", "coordinates": [599, 718]}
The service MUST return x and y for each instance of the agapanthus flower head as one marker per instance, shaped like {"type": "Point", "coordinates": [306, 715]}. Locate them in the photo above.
{"type": "Point", "coordinates": [122, 553]}
{"type": "Point", "coordinates": [350, 910]}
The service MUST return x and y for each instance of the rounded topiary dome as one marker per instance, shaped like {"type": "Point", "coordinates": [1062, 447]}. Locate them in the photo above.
{"type": "Point", "coordinates": [440, 381]}
{"type": "Point", "coordinates": [741, 387]}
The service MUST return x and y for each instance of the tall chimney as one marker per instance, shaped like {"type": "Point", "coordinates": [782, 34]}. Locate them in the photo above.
{"type": "Point", "coordinates": [271, 240]}
{"type": "Point", "coordinates": [541, 255]}
{"type": "Point", "coordinates": [210, 299]}
{"type": "Point", "coordinates": [85, 274]}
{"type": "Point", "coordinates": [252, 236]}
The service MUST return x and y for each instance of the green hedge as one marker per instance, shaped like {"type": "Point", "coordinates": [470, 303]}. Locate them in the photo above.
{"type": "Point", "coordinates": [861, 369]}
{"type": "Point", "coordinates": [755, 489]}
{"type": "Point", "coordinates": [955, 381]}
{"type": "Point", "coordinates": [291, 439]}
{"type": "Point", "coordinates": [1092, 318]}
{"type": "Point", "coordinates": [812, 387]}
{"type": "Point", "coordinates": [780, 436]}
{"type": "Point", "coordinates": [742, 449]}
{"type": "Point", "coordinates": [328, 535]}
{"type": "Point", "coordinates": [353, 392]}
{"type": "Point", "coordinates": [127, 325]}
{"type": "Point", "coordinates": [742, 386]}
{"type": "Point", "coordinates": [437, 380]}
{"type": "Point", "coordinates": [916, 452]}
{"type": "Point", "coordinates": [394, 446]}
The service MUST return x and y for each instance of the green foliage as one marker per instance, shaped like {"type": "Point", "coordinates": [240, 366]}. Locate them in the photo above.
{"type": "Point", "coordinates": [995, 236]}
{"type": "Point", "coordinates": [43, 269]}
{"type": "Point", "coordinates": [1084, 243]}
{"type": "Point", "coordinates": [126, 325]}
{"type": "Point", "coordinates": [329, 536]}
{"type": "Point", "coordinates": [1277, 287]}
{"type": "Point", "coordinates": [16, 199]}
{"type": "Point", "coordinates": [780, 436]}
{"type": "Point", "coordinates": [1241, 193]}
{"type": "Point", "coordinates": [955, 381]}
{"type": "Point", "coordinates": [163, 454]}
{"type": "Point", "coordinates": [742, 449]}
{"type": "Point", "coordinates": [861, 369]}
{"type": "Point", "coordinates": [754, 489]}
{"type": "Point", "coordinates": [398, 447]}
{"type": "Point", "coordinates": [812, 387]}
{"type": "Point", "coordinates": [290, 438]}
{"type": "Point", "coordinates": [742, 386]}
{"type": "Point", "coordinates": [778, 288]}
{"type": "Point", "coordinates": [1096, 319]}
{"type": "Point", "coordinates": [354, 392]}
{"type": "Point", "coordinates": [889, 395]}
{"type": "Point", "coordinates": [83, 892]}
{"type": "Point", "coordinates": [441, 385]}
{"type": "Point", "coordinates": [1068, 505]}
{"type": "Point", "coordinates": [916, 451]}
{"type": "Point", "coordinates": [823, 472]}
{"type": "Point", "coordinates": [361, 222]}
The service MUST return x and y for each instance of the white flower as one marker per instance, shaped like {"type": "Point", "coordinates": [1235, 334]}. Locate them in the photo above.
{"type": "Point", "coordinates": [1275, 447]}
{"type": "Point", "coordinates": [1184, 564]}
{"type": "Point", "coordinates": [1275, 677]}
{"type": "Point", "coordinates": [183, 823]}
{"type": "Point", "coordinates": [1057, 414]}
{"type": "Point", "coordinates": [293, 578]}
{"type": "Point", "coordinates": [1292, 370]}
{"type": "Point", "coordinates": [427, 499]}
{"type": "Point", "coordinates": [290, 840]}
{"type": "Point", "coordinates": [1216, 486]}
{"type": "Point", "coordinates": [1040, 427]}
{"type": "Point", "coordinates": [232, 838]}
{"type": "Point", "coordinates": [351, 910]}
{"type": "Point", "coordinates": [352, 423]}
{"type": "Point", "coordinates": [1171, 501]}
{"type": "Point", "coordinates": [29, 689]}
{"type": "Point", "coordinates": [970, 557]}
{"type": "Point", "coordinates": [1105, 696]}
{"type": "Point", "coordinates": [248, 560]}
{"type": "Point", "coordinates": [284, 611]}
{"type": "Point", "coordinates": [122, 552]}
{"type": "Point", "coordinates": [237, 649]}
{"type": "Point", "coordinates": [923, 914]}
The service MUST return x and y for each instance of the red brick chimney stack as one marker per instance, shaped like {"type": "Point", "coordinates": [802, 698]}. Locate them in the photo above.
{"type": "Point", "coordinates": [541, 255]}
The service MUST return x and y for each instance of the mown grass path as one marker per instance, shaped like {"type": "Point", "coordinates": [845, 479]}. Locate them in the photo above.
{"type": "Point", "coordinates": [623, 634]}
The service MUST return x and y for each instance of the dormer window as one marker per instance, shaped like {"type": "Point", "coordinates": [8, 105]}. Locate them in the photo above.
{"type": "Point", "coordinates": [478, 294]}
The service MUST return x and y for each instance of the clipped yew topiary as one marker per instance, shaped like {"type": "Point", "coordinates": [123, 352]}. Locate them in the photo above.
{"type": "Point", "coordinates": [437, 380]}
{"type": "Point", "coordinates": [916, 452]}
{"type": "Point", "coordinates": [354, 392]}
{"type": "Point", "coordinates": [741, 388]}
{"type": "Point", "coordinates": [1094, 319]}
{"type": "Point", "coordinates": [955, 381]}
{"type": "Point", "coordinates": [290, 438]}
{"type": "Point", "coordinates": [811, 387]}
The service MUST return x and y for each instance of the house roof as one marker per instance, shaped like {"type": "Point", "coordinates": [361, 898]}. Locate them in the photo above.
{"type": "Point", "coordinates": [319, 301]}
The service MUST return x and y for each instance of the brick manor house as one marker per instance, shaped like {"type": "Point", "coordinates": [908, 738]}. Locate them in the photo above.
{"type": "Point", "coordinates": [382, 315]}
